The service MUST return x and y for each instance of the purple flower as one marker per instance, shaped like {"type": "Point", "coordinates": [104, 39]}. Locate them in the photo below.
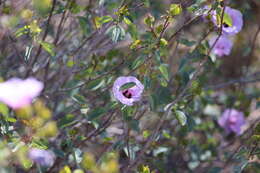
{"type": "Point", "coordinates": [18, 93]}
{"type": "Point", "coordinates": [41, 157]}
{"type": "Point", "coordinates": [232, 120]}
{"type": "Point", "coordinates": [237, 21]}
{"type": "Point", "coordinates": [222, 47]}
{"type": "Point", "coordinates": [130, 95]}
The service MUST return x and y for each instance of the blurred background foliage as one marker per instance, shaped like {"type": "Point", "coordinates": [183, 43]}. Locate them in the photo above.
{"type": "Point", "coordinates": [79, 47]}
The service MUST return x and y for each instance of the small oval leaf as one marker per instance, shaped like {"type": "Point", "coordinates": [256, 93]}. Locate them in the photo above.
{"type": "Point", "coordinates": [181, 117]}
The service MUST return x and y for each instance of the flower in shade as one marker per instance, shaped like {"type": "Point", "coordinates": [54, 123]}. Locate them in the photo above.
{"type": "Point", "coordinates": [41, 157]}
{"type": "Point", "coordinates": [232, 120]}
{"type": "Point", "coordinates": [223, 45]}
{"type": "Point", "coordinates": [130, 95]}
{"type": "Point", "coordinates": [236, 18]}
{"type": "Point", "coordinates": [18, 93]}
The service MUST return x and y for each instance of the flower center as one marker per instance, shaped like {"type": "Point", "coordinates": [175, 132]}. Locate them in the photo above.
{"type": "Point", "coordinates": [127, 94]}
{"type": "Point", "coordinates": [225, 25]}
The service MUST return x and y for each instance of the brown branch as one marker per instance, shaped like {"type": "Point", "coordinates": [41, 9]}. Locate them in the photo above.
{"type": "Point", "coordinates": [43, 38]}
{"type": "Point", "coordinates": [169, 106]}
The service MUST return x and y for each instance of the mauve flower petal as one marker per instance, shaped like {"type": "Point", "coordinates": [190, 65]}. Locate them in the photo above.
{"type": "Point", "coordinates": [237, 21]}
{"type": "Point", "coordinates": [42, 157]}
{"type": "Point", "coordinates": [18, 93]}
{"type": "Point", "coordinates": [34, 86]}
{"type": "Point", "coordinates": [222, 47]}
{"type": "Point", "coordinates": [236, 128]}
{"type": "Point", "coordinates": [223, 119]}
{"type": "Point", "coordinates": [136, 90]}
{"type": "Point", "coordinates": [232, 121]}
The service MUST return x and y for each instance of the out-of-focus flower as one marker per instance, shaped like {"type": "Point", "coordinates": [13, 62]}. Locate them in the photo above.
{"type": "Point", "coordinates": [237, 21]}
{"type": "Point", "coordinates": [222, 47]}
{"type": "Point", "coordinates": [232, 120]}
{"type": "Point", "coordinates": [18, 93]}
{"type": "Point", "coordinates": [130, 95]}
{"type": "Point", "coordinates": [41, 157]}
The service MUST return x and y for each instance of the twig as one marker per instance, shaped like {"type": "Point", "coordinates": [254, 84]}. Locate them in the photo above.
{"type": "Point", "coordinates": [242, 80]}
{"type": "Point", "coordinates": [43, 38]}
{"type": "Point", "coordinates": [169, 106]}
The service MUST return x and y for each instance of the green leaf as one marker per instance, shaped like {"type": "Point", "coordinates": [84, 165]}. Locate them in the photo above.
{"type": "Point", "coordinates": [149, 20]}
{"type": "Point", "coordinates": [79, 98]}
{"type": "Point", "coordinates": [4, 109]}
{"type": "Point", "coordinates": [181, 117]}
{"type": "Point", "coordinates": [105, 19]}
{"type": "Point", "coordinates": [162, 95]}
{"type": "Point", "coordinates": [162, 81]}
{"type": "Point", "coordinates": [10, 119]}
{"type": "Point", "coordinates": [163, 42]}
{"type": "Point", "coordinates": [147, 82]}
{"type": "Point", "coordinates": [42, 6]}
{"type": "Point", "coordinates": [127, 20]}
{"type": "Point", "coordinates": [66, 120]}
{"type": "Point", "coordinates": [70, 63]}
{"type": "Point", "coordinates": [59, 152]}
{"type": "Point", "coordinates": [127, 113]}
{"type": "Point", "coordinates": [99, 21]}
{"type": "Point", "coordinates": [153, 102]}
{"type": "Point", "coordinates": [145, 169]}
{"type": "Point", "coordinates": [164, 70]}
{"type": "Point", "coordinates": [28, 51]}
{"type": "Point", "coordinates": [166, 134]}
{"type": "Point", "coordinates": [84, 25]}
{"type": "Point", "coordinates": [158, 57]}
{"type": "Point", "coordinates": [137, 62]}
{"type": "Point", "coordinates": [116, 32]}
{"type": "Point", "coordinates": [187, 42]}
{"type": "Point", "coordinates": [75, 8]}
{"type": "Point", "coordinates": [132, 30]}
{"type": "Point", "coordinates": [193, 8]}
{"type": "Point", "coordinates": [127, 86]}
{"type": "Point", "coordinates": [146, 3]}
{"type": "Point", "coordinates": [190, 123]}
{"type": "Point", "coordinates": [40, 143]}
{"type": "Point", "coordinates": [96, 84]}
{"type": "Point", "coordinates": [160, 150]}
{"type": "Point", "coordinates": [48, 47]}
{"type": "Point", "coordinates": [134, 124]}
{"type": "Point", "coordinates": [241, 166]}
{"type": "Point", "coordinates": [227, 20]}
{"type": "Point", "coordinates": [21, 31]}
{"type": "Point", "coordinates": [96, 113]}
{"type": "Point", "coordinates": [146, 134]}
{"type": "Point", "coordinates": [175, 9]}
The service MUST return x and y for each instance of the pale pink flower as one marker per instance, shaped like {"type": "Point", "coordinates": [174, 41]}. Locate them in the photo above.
{"type": "Point", "coordinates": [232, 120]}
{"type": "Point", "coordinates": [237, 21]}
{"type": "Point", "coordinates": [222, 47]}
{"type": "Point", "coordinates": [130, 95]}
{"type": "Point", "coordinates": [41, 157]}
{"type": "Point", "coordinates": [18, 93]}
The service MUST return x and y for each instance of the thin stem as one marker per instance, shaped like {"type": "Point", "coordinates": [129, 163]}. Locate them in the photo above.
{"type": "Point", "coordinates": [43, 38]}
